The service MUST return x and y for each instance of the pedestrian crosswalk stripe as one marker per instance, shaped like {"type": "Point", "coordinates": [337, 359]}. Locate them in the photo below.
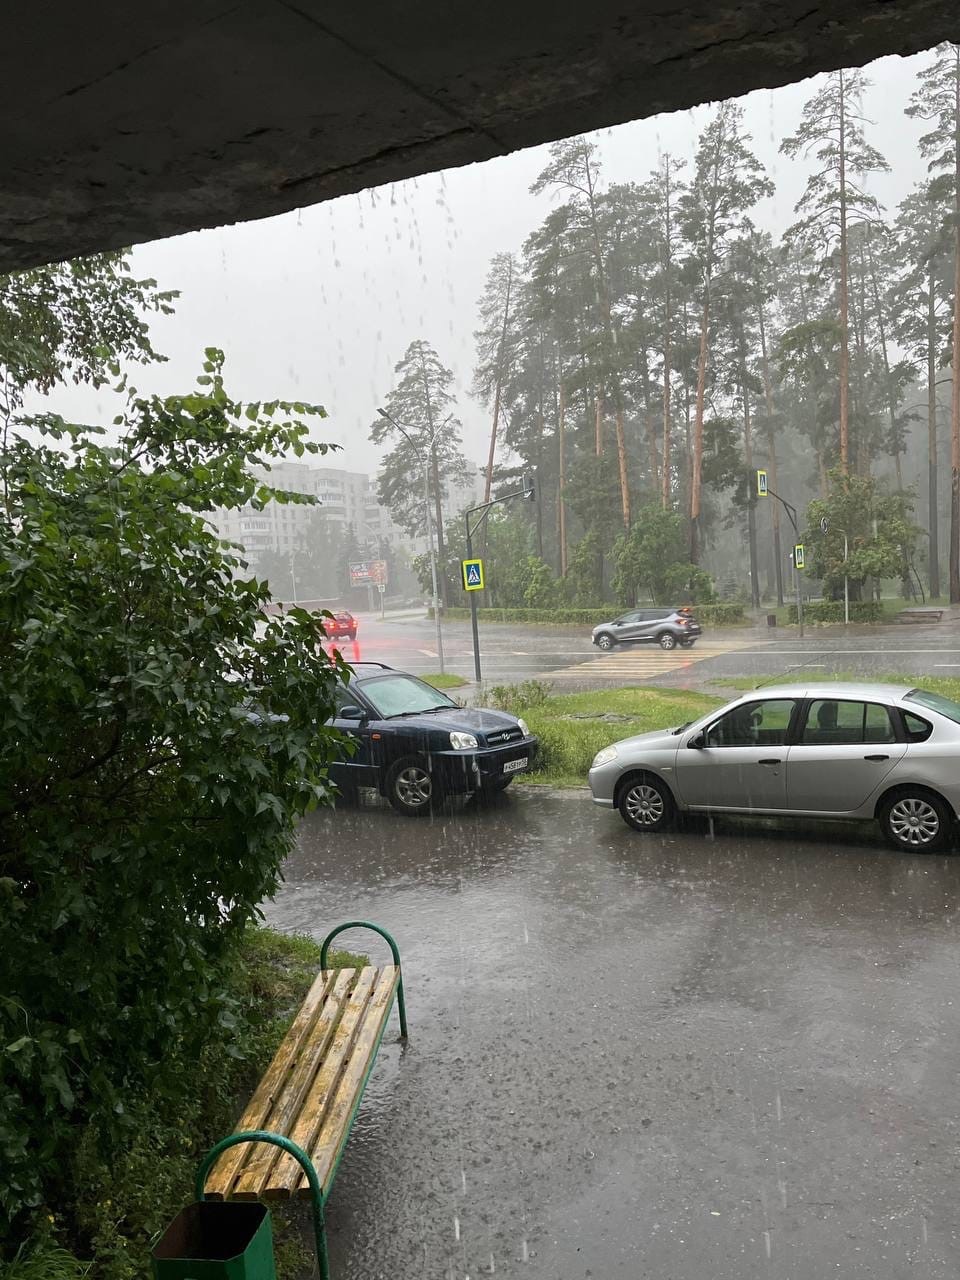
{"type": "Point", "coordinates": [645, 662]}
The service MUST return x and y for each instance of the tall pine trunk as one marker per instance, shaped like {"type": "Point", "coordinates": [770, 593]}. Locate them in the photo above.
{"type": "Point", "coordinates": [844, 303]}
{"type": "Point", "coordinates": [748, 459]}
{"type": "Point", "coordinates": [499, 389]}
{"type": "Point", "coordinates": [562, 462]}
{"type": "Point", "coordinates": [955, 364]}
{"type": "Point", "coordinates": [771, 452]}
{"type": "Point", "coordinates": [696, 479]}
{"type": "Point", "coordinates": [933, 520]}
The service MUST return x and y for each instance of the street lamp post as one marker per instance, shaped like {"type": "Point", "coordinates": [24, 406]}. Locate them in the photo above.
{"type": "Point", "coordinates": [792, 513]}
{"type": "Point", "coordinates": [527, 491]}
{"type": "Point", "coordinates": [424, 462]}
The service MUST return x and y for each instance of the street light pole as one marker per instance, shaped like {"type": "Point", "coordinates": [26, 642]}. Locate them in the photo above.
{"type": "Point", "coordinates": [424, 462]}
{"type": "Point", "coordinates": [293, 574]}
{"type": "Point", "coordinates": [792, 513]}
{"type": "Point", "coordinates": [527, 491]}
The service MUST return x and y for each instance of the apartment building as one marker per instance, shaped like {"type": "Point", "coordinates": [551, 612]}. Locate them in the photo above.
{"type": "Point", "coordinates": [348, 497]}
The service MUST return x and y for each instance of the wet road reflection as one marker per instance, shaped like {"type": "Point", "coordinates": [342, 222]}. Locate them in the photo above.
{"type": "Point", "coordinates": [726, 1052]}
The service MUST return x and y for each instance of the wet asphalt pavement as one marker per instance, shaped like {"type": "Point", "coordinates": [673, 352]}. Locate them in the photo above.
{"type": "Point", "coordinates": [698, 1056]}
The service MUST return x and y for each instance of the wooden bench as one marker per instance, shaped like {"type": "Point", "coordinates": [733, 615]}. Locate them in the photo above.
{"type": "Point", "coordinates": [291, 1136]}
{"type": "Point", "coordinates": [919, 615]}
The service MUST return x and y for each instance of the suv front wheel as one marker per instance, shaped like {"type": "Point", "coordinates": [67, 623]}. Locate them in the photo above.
{"type": "Point", "coordinates": [605, 641]}
{"type": "Point", "coordinates": [411, 788]}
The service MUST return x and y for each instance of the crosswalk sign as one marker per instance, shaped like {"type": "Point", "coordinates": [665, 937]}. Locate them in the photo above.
{"type": "Point", "coordinates": [798, 555]}
{"type": "Point", "coordinates": [472, 575]}
{"type": "Point", "coordinates": [761, 484]}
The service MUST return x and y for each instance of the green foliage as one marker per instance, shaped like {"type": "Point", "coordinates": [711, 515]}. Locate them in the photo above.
{"type": "Point", "coordinates": [653, 558]}
{"type": "Point", "coordinates": [422, 403]}
{"type": "Point", "coordinates": [540, 591]}
{"type": "Point", "coordinates": [880, 534]}
{"type": "Point", "coordinates": [832, 611]}
{"type": "Point", "coordinates": [144, 810]}
{"type": "Point", "coordinates": [117, 1202]}
{"type": "Point", "coordinates": [41, 1259]}
{"type": "Point", "coordinates": [516, 697]}
{"type": "Point", "coordinates": [572, 728]}
{"type": "Point", "coordinates": [73, 320]}
{"type": "Point", "coordinates": [726, 614]}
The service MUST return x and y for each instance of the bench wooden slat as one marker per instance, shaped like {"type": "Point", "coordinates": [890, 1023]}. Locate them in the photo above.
{"type": "Point", "coordinates": [306, 1057]}
{"type": "Point", "coordinates": [312, 1118]}
{"type": "Point", "coordinates": [326, 1149]}
{"type": "Point", "coordinates": [258, 1108]}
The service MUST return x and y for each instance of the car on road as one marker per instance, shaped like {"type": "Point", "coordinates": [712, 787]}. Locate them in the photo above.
{"type": "Point", "coordinates": [415, 745]}
{"type": "Point", "coordinates": [840, 750]}
{"type": "Point", "coordinates": [668, 628]}
{"type": "Point", "coordinates": [342, 626]}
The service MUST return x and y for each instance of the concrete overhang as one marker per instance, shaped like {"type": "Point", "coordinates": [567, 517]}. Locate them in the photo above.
{"type": "Point", "coordinates": [125, 123]}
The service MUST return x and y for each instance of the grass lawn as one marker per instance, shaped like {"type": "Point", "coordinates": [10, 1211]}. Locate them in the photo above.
{"type": "Point", "coordinates": [949, 686]}
{"type": "Point", "coordinates": [572, 727]}
{"type": "Point", "coordinates": [445, 681]}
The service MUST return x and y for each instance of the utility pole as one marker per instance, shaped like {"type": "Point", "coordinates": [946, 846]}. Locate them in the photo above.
{"type": "Point", "coordinates": [764, 491]}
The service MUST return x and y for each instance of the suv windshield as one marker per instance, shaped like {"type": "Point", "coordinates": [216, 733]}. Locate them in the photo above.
{"type": "Point", "coordinates": [936, 702]}
{"type": "Point", "coordinates": [399, 695]}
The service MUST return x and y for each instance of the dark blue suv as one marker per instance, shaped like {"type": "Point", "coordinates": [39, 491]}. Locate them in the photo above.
{"type": "Point", "coordinates": [416, 745]}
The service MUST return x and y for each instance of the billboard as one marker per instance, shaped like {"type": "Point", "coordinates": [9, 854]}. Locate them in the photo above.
{"type": "Point", "coordinates": [364, 572]}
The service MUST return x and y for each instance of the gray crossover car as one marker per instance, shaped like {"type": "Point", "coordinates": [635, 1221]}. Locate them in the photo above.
{"type": "Point", "coordinates": [668, 627]}
{"type": "Point", "coordinates": [879, 751]}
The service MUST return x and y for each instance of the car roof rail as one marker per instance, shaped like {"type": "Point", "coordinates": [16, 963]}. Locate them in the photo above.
{"type": "Point", "coordinates": [383, 666]}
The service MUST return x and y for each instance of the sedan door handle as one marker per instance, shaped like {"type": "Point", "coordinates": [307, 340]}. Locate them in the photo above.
{"type": "Point", "coordinates": [769, 762]}
{"type": "Point", "coordinates": [876, 758]}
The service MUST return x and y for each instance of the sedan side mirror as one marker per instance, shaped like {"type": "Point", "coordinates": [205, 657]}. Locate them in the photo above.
{"type": "Point", "coordinates": [697, 742]}
{"type": "Point", "coordinates": [351, 712]}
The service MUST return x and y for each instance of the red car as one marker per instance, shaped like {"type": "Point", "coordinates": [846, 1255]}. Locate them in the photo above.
{"type": "Point", "coordinates": [342, 626]}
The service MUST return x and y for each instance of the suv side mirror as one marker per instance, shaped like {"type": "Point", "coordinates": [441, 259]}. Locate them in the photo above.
{"type": "Point", "coordinates": [698, 742]}
{"type": "Point", "coordinates": [351, 712]}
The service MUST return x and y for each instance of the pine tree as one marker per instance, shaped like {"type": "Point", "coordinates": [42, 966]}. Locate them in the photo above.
{"type": "Point", "coordinates": [938, 99]}
{"type": "Point", "coordinates": [921, 301]}
{"type": "Point", "coordinates": [832, 128]}
{"type": "Point", "coordinates": [422, 403]}
{"type": "Point", "coordinates": [496, 340]}
{"type": "Point", "coordinates": [728, 181]}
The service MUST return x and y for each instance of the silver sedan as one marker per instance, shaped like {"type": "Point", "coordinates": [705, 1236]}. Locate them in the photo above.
{"type": "Point", "coordinates": [839, 750]}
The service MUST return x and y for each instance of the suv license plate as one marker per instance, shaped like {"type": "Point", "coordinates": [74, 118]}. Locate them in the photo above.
{"type": "Point", "coordinates": [514, 766]}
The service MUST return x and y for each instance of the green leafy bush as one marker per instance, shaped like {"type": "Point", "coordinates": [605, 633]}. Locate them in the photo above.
{"type": "Point", "coordinates": [727, 614]}
{"type": "Point", "coordinates": [145, 809]}
{"type": "Point", "coordinates": [832, 611]}
{"type": "Point", "coordinates": [717, 615]}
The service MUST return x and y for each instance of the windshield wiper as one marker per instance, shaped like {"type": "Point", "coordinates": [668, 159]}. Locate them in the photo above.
{"type": "Point", "coordinates": [681, 728]}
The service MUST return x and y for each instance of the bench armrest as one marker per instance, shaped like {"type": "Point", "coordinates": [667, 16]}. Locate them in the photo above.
{"type": "Point", "coordinates": [394, 951]}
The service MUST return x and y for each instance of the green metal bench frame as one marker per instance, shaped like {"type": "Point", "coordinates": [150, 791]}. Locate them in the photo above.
{"type": "Point", "coordinates": [317, 1197]}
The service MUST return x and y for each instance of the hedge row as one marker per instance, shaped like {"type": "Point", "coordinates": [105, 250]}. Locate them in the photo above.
{"type": "Point", "coordinates": [832, 611]}
{"type": "Point", "coordinates": [708, 614]}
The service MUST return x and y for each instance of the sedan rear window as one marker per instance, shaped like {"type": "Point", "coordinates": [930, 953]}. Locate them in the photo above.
{"type": "Point", "coordinates": [936, 702]}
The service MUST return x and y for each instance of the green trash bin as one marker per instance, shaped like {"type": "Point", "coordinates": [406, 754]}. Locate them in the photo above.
{"type": "Point", "coordinates": [216, 1240]}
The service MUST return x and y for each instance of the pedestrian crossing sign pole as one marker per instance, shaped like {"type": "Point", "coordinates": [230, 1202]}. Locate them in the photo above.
{"type": "Point", "coordinates": [472, 575]}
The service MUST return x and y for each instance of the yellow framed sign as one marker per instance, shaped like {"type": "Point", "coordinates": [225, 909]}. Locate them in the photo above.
{"type": "Point", "coordinates": [472, 575]}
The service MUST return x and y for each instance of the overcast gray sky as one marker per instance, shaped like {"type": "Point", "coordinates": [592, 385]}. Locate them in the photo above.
{"type": "Point", "coordinates": [320, 304]}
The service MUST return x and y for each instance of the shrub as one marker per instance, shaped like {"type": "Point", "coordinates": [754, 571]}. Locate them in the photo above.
{"type": "Point", "coordinates": [717, 615]}
{"type": "Point", "coordinates": [832, 611]}
{"type": "Point", "coordinates": [145, 809]}
{"type": "Point", "coordinates": [516, 697]}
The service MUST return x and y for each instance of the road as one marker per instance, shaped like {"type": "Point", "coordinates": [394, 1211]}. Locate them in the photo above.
{"type": "Point", "coordinates": [565, 657]}
{"type": "Point", "coordinates": [710, 1055]}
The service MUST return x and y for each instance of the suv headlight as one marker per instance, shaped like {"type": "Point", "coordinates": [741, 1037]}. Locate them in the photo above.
{"type": "Point", "coordinates": [604, 757]}
{"type": "Point", "coordinates": [463, 742]}
{"type": "Point", "coordinates": [524, 727]}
